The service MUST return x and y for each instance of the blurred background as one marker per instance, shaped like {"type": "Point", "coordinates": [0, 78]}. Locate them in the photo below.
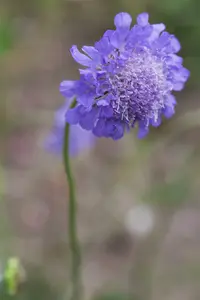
{"type": "Point", "coordinates": [139, 208]}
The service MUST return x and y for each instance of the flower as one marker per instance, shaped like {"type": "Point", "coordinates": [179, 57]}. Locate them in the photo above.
{"type": "Point", "coordinates": [79, 138]}
{"type": "Point", "coordinates": [129, 76]}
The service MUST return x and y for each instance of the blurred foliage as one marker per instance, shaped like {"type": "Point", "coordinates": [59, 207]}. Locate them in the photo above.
{"type": "Point", "coordinates": [6, 35]}
{"type": "Point", "coordinates": [171, 193]}
{"type": "Point", "coordinates": [4, 226]}
{"type": "Point", "coordinates": [2, 183]}
{"type": "Point", "coordinates": [12, 275]}
{"type": "Point", "coordinates": [115, 296]}
{"type": "Point", "coordinates": [182, 19]}
{"type": "Point", "coordinates": [36, 287]}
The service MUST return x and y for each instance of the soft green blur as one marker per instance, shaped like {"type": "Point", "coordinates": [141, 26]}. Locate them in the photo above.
{"type": "Point", "coordinates": [151, 257]}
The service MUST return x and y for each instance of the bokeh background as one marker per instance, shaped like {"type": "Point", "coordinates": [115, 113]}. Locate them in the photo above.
{"type": "Point", "coordinates": [139, 209]}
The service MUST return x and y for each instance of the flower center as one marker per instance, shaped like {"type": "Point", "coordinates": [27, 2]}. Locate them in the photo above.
{"type": "Point", "coordinates": [139, 89]}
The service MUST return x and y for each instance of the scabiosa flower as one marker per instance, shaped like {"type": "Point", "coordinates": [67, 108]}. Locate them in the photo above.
{"type": "Point", "coordinates": [79, 138]}
{"type": "Point", "coordinates": [128, 80]}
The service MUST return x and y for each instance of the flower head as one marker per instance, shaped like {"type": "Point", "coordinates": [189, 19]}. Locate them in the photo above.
{"type": "Point", "coordinates": [79, 138]}
{"type": "Point", "coordinates": [128, 80]}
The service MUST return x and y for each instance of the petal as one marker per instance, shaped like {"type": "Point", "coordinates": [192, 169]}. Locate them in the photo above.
{"type": "Point", "coordinates": [175, 45]}
{"type": "Point", "coordinates": [173, 59]}
{"type": "Point", "coordinates": [73, 115]}
{"type": "Point", "coordinates": [54, 141]}
{"type": "Point", "coordinates": [169, 109]}
{"type": "Point", "coordinates": [123, 20]}
{"type": "Point", "coordinates": [171, 100]}
{"type": "Point", "coordinates": [99, 129]}
{"type": "Point", "coordinates": [179, 75]}
{"type": "Point", "coordinates": [85, 72]}
{"type": "Point", "coordinates": [139, 34]}
{"type": "Point", "coordinates": [106, 112]}
{"type": "Point", "coordinates": [68, 88]}
{"type": "Point", "coordinates": [86, 99]}
{"type": "Point", "coordinates": [113, 129]}
{"type": "Point", "coordinates": [109, 128]}
{"type": "Point", "coordinates": [88, 119]}
{"type": "Point", "coordinates": [182, 74]}
{"type": "Point", "coordinates": [142, 19]}
{"type": "Point", "coordinates": [102, 102]}
{"type": "Point", "coordinates": [92, 52]}
{"type": "Point", "coordinates": [157, 29]}
{"type": "Point", "coordinates": [118, 132]}
{"type": "Point", "coordinates": [118, 38]}
{"type": "Point", "coordinates": [80, 57]}
{"type": "Point", "coordinates": [156, 122]}
{"type": "Point", "coordinates": [178, 86]}
{"type": "Point", "coordinates": [108, 33]}
{"type": "Point", "coordinates": [59, 118]}
{"type": "Point", "coordinates": [104, 46]}
{"type": "Point", "coordinates": [85, 93]}
{"type": "Point", "coordinates": [168, 42]}
{"type": "Point", "coordinates": [176, 58]}
{"type": "Point", "coordinates": [80, 139]}
{"type": "Point", "coordinates": [143, 130]}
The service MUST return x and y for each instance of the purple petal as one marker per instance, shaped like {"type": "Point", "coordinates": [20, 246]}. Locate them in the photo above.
{"type": "Point", "coordinates": [102, 102]}
{"type": "Point", "coordinates": [59, 118]}
{"type": "Point", "coordinates": [113, 129]}
{"type": "Point", "coordinates": [171, 100]}
{"type": "Point", "coordinates": [142, 19]}
{"type": "Point", "coordinates": [80, 57]}
{"type": "Point", "coordinates": [157, 29]}
{"type": "Point", "coordinates": [80, 139]}
{"type": "Point", "coordinates": [68, 88]}
{"type": "Point", "coordinates": [88, 119]}
{"type": "Point", "coordinates": [85, 72]}
{"type": "Point", "coordinates": [85, 92]}
{"type": "Point", "coordinates": [122, 21]}
{"type": "Point", "coordinates": [143, 130]}
{"type": "Point", "coordinates": [178, 86]}
{"type": "Point", "coordinates": [182, 74]}
{"type": "Point", "coordinates": [92, 52]}
{"type": "Point", "coordinates": [108, 33]}
{"type": "Point", "coordinates": [104, 46]}
{"type": "Point", "coordinates": [139, 34]}
{"type": "Point", "coordinates": [106, 112]}
{"type": "Point", "coordinates": [118, 38]}
{"type": "Point", "coordinates": [169, 109]}
{"type": "Point", "coordinates": [118, 132]}
{"type": "Point", "coordinates": [173, 59]}
{"type": "Point", "coordinates": [54, 141]}
{"type": "Point", "coordinates": [99, 129]}
{"type": "Point", "coordinates": [73, 115]}
{"type": "Point", "coordinates": [179, 76]}
{"type": "Point", "coordinates": [175, 45]}
{"type": "Point", "coordinates": [156, 122]}
{"type": "Point", "coordinates": [86, 99]}
{"type": "Point", "coordinates": [168, 42]}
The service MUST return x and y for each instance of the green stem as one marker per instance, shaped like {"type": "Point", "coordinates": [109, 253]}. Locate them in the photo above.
{"type": "Point", "coordinates": [72, 226]}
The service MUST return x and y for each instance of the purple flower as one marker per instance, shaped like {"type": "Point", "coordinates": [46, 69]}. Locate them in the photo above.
{"type": "Point", "coordinates": [128, 79]}
{"type": "Point", "coordinates": [80, 139]}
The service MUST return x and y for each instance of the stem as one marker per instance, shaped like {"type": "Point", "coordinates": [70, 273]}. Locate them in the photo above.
{"type": "Point", "coordinates": [72, 226]}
